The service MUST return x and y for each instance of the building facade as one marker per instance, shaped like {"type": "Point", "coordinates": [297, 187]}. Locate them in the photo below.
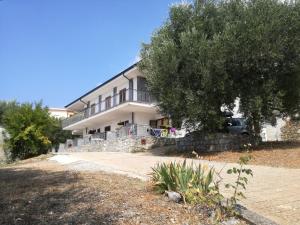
{"type": "Point", "coordinates": [121, 104]}
{"type": "Point", "coordinates": [60, 113]}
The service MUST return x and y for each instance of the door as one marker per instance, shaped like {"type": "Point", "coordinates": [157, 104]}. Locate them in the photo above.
{"type": "Point", "coordinates": [131, 90]}
{"type": "Point", "coordinates": [107, 129]}
{"type": "Point", "coordinates": [115, 96]}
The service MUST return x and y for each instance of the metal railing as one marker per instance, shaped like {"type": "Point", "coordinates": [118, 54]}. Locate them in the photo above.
{"type": "Point", "coordinates": [130, 130]}
{"type": "Point", "coordinates": [125, 95]}
{"type": "Point", "coordinates": [73, 119]}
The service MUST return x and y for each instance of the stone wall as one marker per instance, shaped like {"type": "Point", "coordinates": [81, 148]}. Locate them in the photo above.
{"type": "Point", "coordinates": [2, 155]}
{"type": "Point", "coordinates": [203, 143]}
{"type": "Point", "coordinates": [211, 143]}
{"type": "Point", "coordinates": [291, 131]}
{"type": "Point", "coordinates": [125, 144]}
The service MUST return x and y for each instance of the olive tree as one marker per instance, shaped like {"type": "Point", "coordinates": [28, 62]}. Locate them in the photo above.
{"type": "Point", "coordinates": [209, 53]}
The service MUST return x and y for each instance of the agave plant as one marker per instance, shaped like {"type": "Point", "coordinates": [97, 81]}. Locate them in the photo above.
{"type": "Point", "coordinates": [183, 178]}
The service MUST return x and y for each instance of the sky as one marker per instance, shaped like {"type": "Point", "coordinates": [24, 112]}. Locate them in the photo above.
{"type": "Point", "coordinates": [57, 50]}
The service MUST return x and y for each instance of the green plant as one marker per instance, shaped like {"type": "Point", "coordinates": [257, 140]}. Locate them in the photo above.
{"type": "Point", "coordinates": [183, 178]}
{"type": "Point", "coordinates": [241, 181]}
{"type": "Point", "coordinates": [31, 130]}
{"type": "Point", "coordinates": [208, 53]}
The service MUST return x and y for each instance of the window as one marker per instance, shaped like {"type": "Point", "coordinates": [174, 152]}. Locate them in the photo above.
{"type": "Point", "coordinates": [114, 96]}
{"type": "Point", "coordinates": [235, 122]}
{"type": "Point", "coordinates": [87, 110]}
{"type": "Point", "coordinates": [153, 123]}
{"type": "Point", "coordinates": [108, 102]}
{"type": "Point", "coordinates": [122, 96]}
{"type": "Point", "coordinates": [106, 129]}
{"type": "Point", "coordinates": [93, 109]}
{"type": "Point", "coordinates": [124, 123]}
{"type": "Point", "coordinates": [99, 103]}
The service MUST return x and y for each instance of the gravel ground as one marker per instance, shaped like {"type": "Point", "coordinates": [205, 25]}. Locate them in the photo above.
{"type": "Point", "coordinates": [274, 154]}
{"type": "Point", "coordinates": [287, 158]}
{"type": "Point", "coordinates": [39, 191]}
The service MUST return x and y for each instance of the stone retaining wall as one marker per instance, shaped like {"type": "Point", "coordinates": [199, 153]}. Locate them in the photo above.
{"type": "Point", "coordinates": [204, 143]}
{"type": "Point", "coordinates": [291, 131]}
{"type": "Point", "coordinates": [211, 143]}
{"type": "Point", "coordinates": [126, 144]}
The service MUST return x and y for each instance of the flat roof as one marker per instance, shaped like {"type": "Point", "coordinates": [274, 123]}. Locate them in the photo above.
{"type": "Point", "coordinates": [101, 85]}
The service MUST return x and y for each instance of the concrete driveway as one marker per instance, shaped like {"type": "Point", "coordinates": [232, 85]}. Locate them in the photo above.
{"type": "Point", "coordinates": [272, 192]}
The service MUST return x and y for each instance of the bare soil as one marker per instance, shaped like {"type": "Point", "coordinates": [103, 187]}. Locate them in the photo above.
{"type": "Point", "coordinates": [274, 154]}
{"type": "Point", "coordinates": [37, 191]}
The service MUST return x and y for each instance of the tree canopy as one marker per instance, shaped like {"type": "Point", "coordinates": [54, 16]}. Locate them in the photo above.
{"type": "Point", "coordinates": [32, 131]}
{"type": "Point", "coordinates": [209, 53]}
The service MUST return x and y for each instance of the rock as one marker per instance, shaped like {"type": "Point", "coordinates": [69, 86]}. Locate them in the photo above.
{"type": "Point", "coordinates": [231, 221]}
{"type": "Point", "coordinates": [174, 196]}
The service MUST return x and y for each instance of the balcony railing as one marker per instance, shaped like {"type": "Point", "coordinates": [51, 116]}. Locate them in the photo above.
{"type": "Point", "coordinates": [125, 95]}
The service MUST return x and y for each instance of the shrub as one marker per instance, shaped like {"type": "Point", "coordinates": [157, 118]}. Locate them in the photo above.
{"type": "Point", "coordinates": [200, 185]}
{"type": "Point", "coordinates": [241, 180]}
{"type": "Point", "coordinates": [183, 178]}
{"type": "Point", "coordinates": [31, 130]}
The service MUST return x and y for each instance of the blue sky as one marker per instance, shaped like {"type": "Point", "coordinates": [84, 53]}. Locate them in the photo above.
{"type": "Point", "coordinates": [56, 50]}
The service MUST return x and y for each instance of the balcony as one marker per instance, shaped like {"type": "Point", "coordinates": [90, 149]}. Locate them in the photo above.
{"type": "Point", "coordinates": [124, 96]}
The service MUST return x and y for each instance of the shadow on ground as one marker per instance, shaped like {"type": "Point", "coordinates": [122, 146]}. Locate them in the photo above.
{"type": "Point", "coordinates": [29, 197]}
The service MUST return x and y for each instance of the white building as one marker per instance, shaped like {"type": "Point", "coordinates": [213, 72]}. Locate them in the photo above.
{"type": "Point", "coordinates": [60, 112]}
{"type": "Point", "coordinates": [120, 103]}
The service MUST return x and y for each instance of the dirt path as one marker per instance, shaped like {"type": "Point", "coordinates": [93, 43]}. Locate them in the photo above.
{"type": "Point", "coordinates": [273, 192]}
{"type": "Point", "coordinates": [44, 192]}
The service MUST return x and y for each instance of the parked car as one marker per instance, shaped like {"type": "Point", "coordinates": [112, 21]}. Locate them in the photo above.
{"type": "Point", "coordinates": [237, 126]}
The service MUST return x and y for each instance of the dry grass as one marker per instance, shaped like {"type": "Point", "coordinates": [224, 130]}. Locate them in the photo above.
{"type": "Point", "coordinates": [274, 154]}
{"type": "Point", "coordinates": [41, 192]}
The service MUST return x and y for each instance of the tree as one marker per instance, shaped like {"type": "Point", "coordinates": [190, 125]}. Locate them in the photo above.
{"type": "Point", "coordinates": [32, 131]}
{"type": "Point", "coordinates": [262, 52]}
{"type": "Point", "coordinates": [183, 69]}
{"type": "Point", "coordinates": [207, 54]}
{"type": "Point", "coordinates": [57, 134]}
{"type": "Point", "coordinates": [4, 106]}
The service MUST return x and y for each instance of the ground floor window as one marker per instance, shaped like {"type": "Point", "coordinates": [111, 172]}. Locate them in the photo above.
{"type": "Point", "coordinates": [107, 128]}
{"type": "Point", "coordinates": [160, 123]}
{"type": "Point", "coordinates": [123, 123]}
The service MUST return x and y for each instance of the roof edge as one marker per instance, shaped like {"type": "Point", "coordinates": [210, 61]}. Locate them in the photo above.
{"type": "Point", "coordinates": [101, 85]}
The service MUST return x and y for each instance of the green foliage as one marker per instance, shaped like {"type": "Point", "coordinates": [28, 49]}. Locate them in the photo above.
{"type": "Point", "coordinates": [241, 181]}
{"type": "Point", "coordinates": [31, 130]}
{"type": "Point", "coordinates": [56, 134]}
{"type": "Point", "coordinates": [195, 184]}
{"type": "Point", "coordinates": [184, 179]}
{"type": "Point", "coordinates": [200, 185]}
{"type": "Point", "coordinates": [4, 106]}
{"type": "Point", "coordinates": [209, 53]}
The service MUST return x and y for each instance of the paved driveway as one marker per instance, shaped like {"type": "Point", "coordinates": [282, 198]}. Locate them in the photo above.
{"type": "Point", "coordinates": [272, 192]}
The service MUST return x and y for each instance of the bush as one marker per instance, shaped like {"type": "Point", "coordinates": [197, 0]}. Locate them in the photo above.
{"type": "Point", "coordinates": [184, 179]}
{"type": "Point", "coordinates": [200, 185]}
{"type": "Point", "coordinates": [31, 130]}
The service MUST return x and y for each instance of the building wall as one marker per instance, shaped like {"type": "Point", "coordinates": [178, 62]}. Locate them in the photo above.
{"type": "Point", "coordinates": [140, 118]}
{"type": "Point", "coordinates": [60, 113]}
{"type": "Point", "coordinates": [107, 90]}
{"type": "Point", "coordinates": [113, 123]}
{"type": "Point", "coordinates": [273, 133]}
{"type": "Point", "coordinates": [144, 118]}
